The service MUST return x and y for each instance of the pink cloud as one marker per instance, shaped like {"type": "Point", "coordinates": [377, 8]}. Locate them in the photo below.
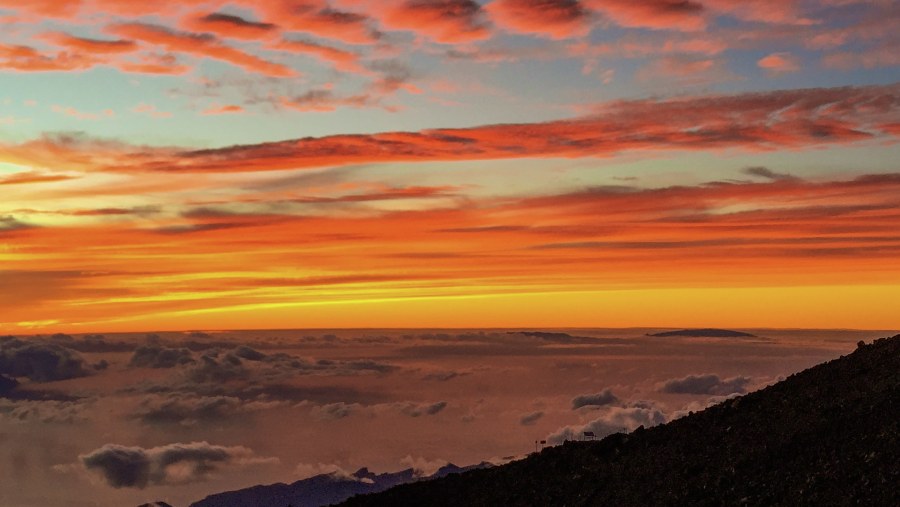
{"type": "Point", "coordinates": [685, 70]}
{"type": "Point", "coordinates": [685, 15]}
{"type": "Point", "coordinates": [787, 12]}
{"type": "Point", "coordinates": [882, 56]}
{"type": "Point", "coordinates": [778, 63]}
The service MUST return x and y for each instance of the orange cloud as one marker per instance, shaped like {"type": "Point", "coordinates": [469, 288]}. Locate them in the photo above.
{"type": "Point", "coordinates": [227, 25]}
{"type": "Point", "coordinates": [155, 64]}
{"type": "Point", "coordinates": [33, 177]}
{"type": "Point", "coordinates": [319, 18]}
{"type": "Point", "coordinates": [82, 115]}
{"type": "Point", "coordinates": [558, 20]}
{"type": "Point", "coordinates": [203, 45]}
{"type": "Point", "coordinates": [229, 109]}
{"type": "Point", "coordinates": [753, 121]}
{"type": "Point", "coordinates": [345, 61]}
{"type": "Point", "coordinates": [324, 100]}
{"type": "Point", "coordinates": [91, 46]}
{"type": "Point", "coordinates": [28, 59]}
{"type": "Point", "coordinates": [50, 8]}
{"type": "Point", "coordinates": [445, 21]}
{"type": "Point", "coordinates": [760, 121]}
{"type": "Point", "coordinates": [788, 232]}
{"type": "Point", "coordinates": [151, 111]}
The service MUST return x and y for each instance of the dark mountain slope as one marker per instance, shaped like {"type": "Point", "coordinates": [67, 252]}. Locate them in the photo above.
{"type": "Point", "coordinates": [826, 436]}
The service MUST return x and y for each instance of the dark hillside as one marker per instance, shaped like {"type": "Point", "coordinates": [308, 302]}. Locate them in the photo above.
{"type": "Point", "coordinates": [829, 435]}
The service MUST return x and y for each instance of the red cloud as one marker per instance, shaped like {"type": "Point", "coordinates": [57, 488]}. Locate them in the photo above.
{"type": "Point", "coordinates": [556, 19]}
{"type": "Point", "coordinates": [203, 45]}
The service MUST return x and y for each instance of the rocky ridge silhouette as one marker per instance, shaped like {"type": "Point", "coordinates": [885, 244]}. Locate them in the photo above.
{"type": "Point", "coordinates": [323, 489]}
{"type": "Point", "coordinates": [829, 435]}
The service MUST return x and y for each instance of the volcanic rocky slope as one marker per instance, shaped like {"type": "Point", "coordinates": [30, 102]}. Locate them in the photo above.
{"type": "Point", "coordinates": [829, 435]}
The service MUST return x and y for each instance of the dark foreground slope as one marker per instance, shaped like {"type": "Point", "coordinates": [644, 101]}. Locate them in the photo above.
{"type": "Point", "coordinates": [826, 436]}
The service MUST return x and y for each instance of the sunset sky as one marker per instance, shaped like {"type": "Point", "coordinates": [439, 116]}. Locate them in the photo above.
{"type": "Point", "coordinates": [192, 164]}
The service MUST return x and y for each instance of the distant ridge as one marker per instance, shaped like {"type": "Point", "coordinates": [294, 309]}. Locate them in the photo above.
{"type": "Point", "coordinates": [829, 435]}
{"type": "Point", "coordinates": [320, 490]}
{"type": "Point", "coordinates": [706, 333]}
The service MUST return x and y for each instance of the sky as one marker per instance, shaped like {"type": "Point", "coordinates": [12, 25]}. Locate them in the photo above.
{"type": "Point", "coordinates": [407, 163]}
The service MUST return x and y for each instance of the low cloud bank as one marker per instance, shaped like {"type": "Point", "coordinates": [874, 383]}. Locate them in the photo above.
{"type": "Point", "coordinates": [613, 420]}
{"type": "Point", "coordinates": [604, 397]}
{"type": "Point", "coordinates": [136, 467]}
{"type": "Point", "coordinates": [706, 384]}
{"type": "Point", "coordinates": [40, 361]}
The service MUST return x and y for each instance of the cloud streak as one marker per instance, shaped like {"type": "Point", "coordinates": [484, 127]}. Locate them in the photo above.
{"type": "Point", "coordinates": [789, 119]}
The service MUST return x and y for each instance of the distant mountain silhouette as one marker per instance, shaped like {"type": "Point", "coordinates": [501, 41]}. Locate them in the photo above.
{"type": "Point", "coordinates": [155, 504]}
{"type": "Point", "coordinates": [706, 333]}
{"type": "Point", "coordinates": [567, 339]}
{"type": "Point", "coordinates": [829, 435]}
{"type": "Point", "coordinates": [324, 489]}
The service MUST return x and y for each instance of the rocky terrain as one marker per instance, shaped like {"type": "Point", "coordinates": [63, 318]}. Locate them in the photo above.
{"type": "Point", "coordinates": [829, 435]}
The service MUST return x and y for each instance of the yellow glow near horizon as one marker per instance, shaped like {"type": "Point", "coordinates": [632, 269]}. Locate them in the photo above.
{"type": "Point", "coordinates": [819, 307]}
